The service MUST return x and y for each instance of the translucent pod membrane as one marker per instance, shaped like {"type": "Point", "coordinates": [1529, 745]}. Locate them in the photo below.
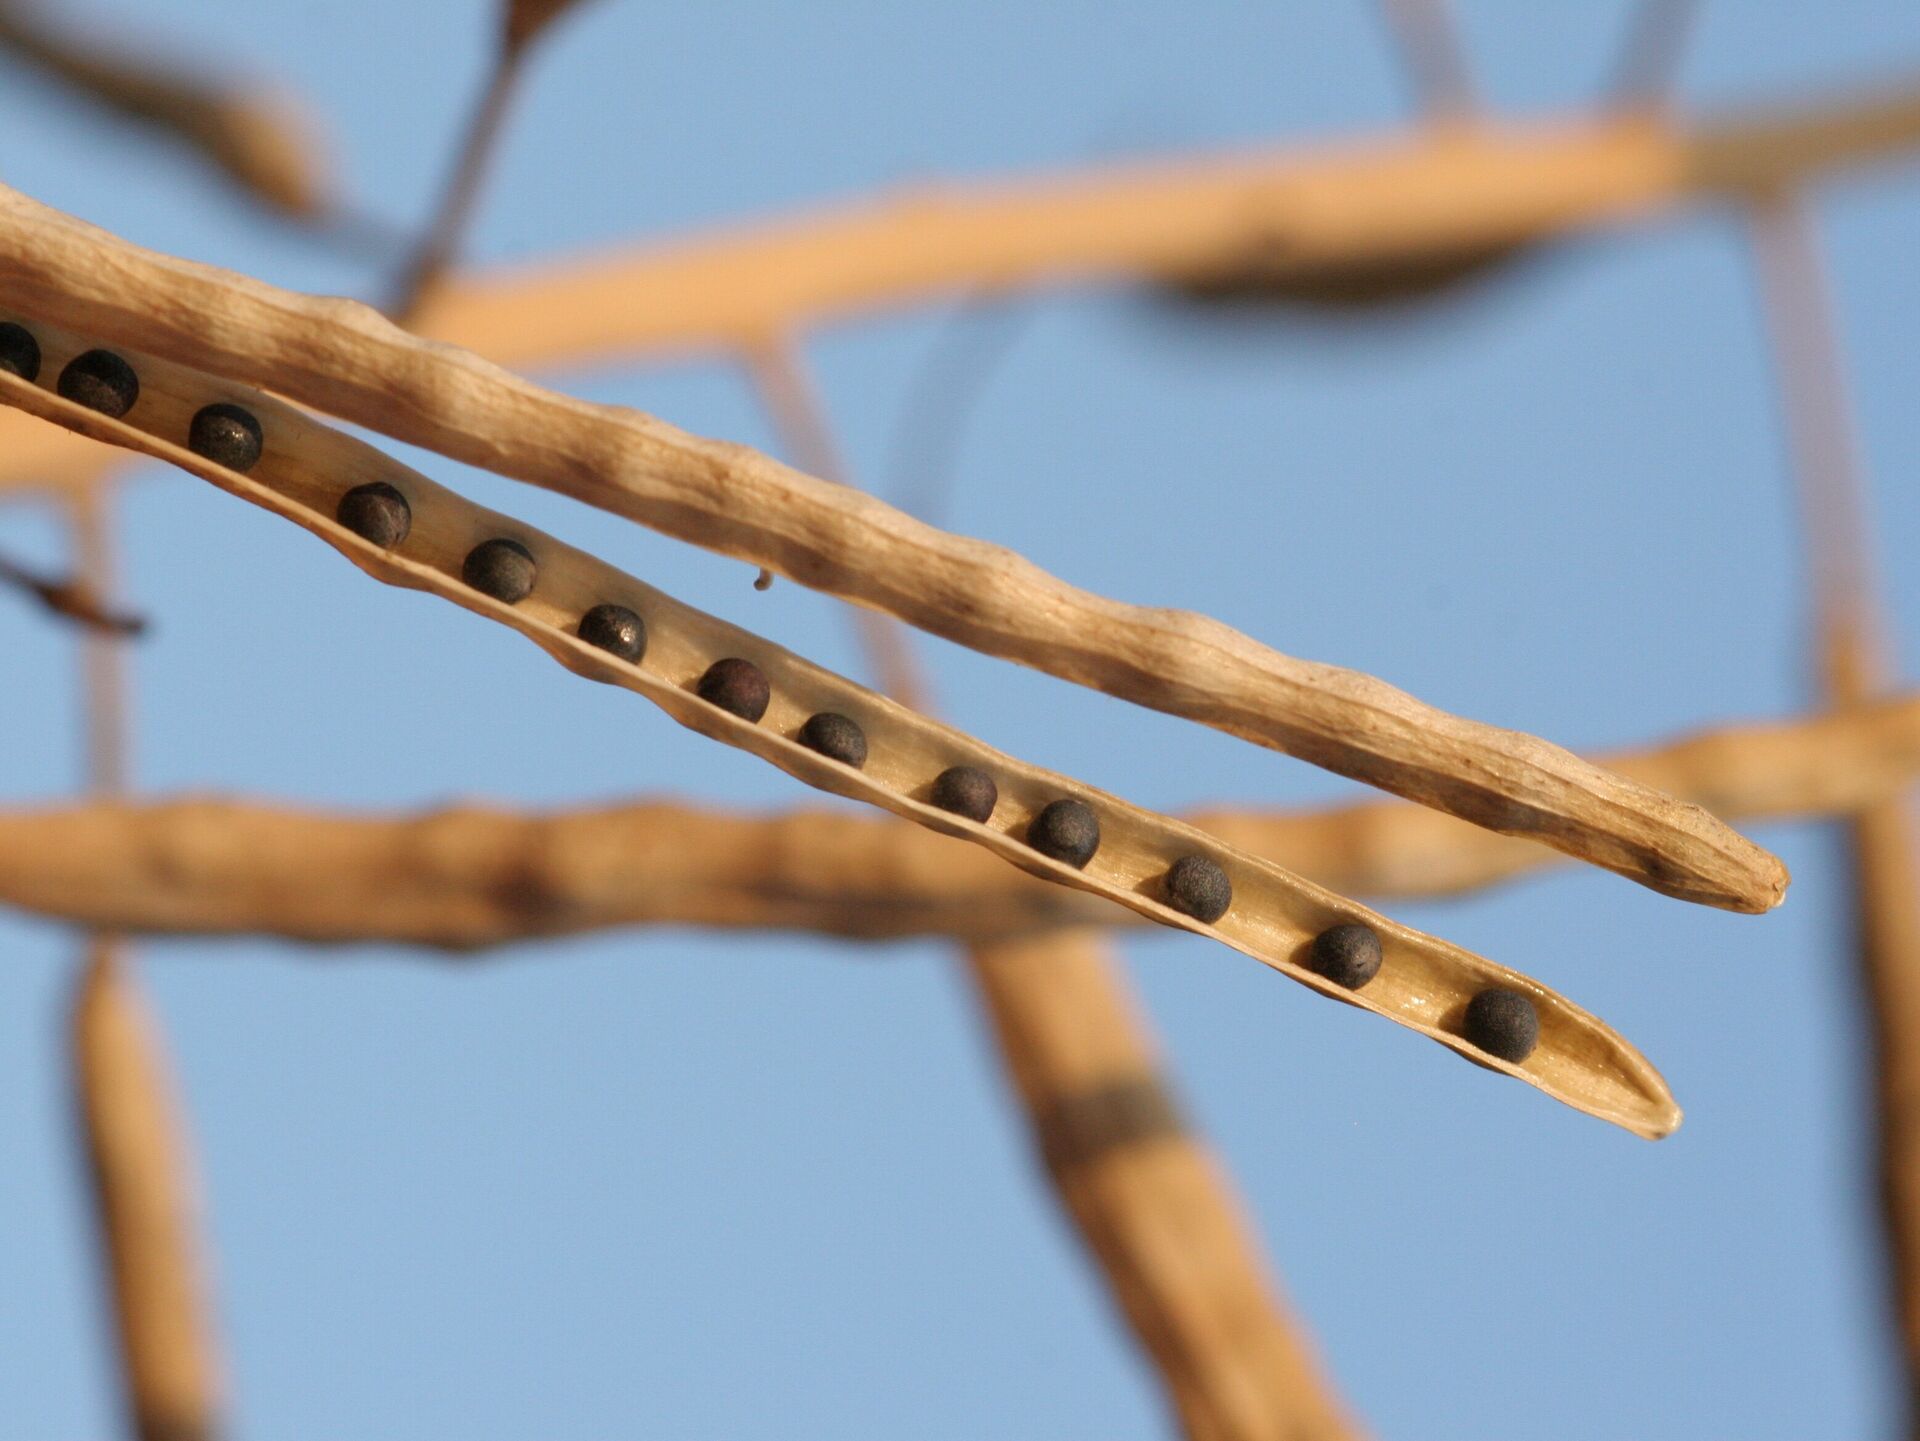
{"type": "Point", "coordinates": [306, 469]}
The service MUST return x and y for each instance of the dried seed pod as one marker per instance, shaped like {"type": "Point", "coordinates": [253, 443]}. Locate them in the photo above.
{"type": "Point", "coordinates": [102, 381]}
{"type": "Point", "coordinates": [1347, 955]}
{"type": "Point", "coordinates": [19, 351]}
{"type": "Point", "coordinates": [1425, 987]}
{"type": "Point", "coordinates": [501, 568]}
{"type": "Point", "coordinates": [1197, 887]}
{"type": "Point", "coordinates": [737, 686]}
{"type": "Point", "coordinates": [965, 791]}
{"type": "Point", "coordinates": [1067, 830]}
{"type": "Point", "coordinates": [352, 363]}
{"type": "Point", "coordinates": [226, 435]}
{"type": "Point", "coordinates": [837, 737]}
{"type": "Point", "coordinates": [616, 629]}
{"type": "Point", "coordinates": [377, 513]}
{"type": "Point", "coordinates": [1503, 1023]}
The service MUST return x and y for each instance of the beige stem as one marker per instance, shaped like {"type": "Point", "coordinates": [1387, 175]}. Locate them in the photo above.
{"type": "Point", "coordinates": [1852, 644]}
{"type": "Point", "coordinates": [128, 1115]}
{"type": "Point", "coordinates": [475, 876]}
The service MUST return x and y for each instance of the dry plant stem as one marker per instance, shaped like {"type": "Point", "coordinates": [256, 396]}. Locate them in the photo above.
{"type": "Point", "coordinates": [344, 358]}
{"type": "Point", "coordinates": [254, 138]}
{"type": "Point", "coordinates": [128, 1116]}
{"type": "Point", "coordinates": [70, 599]}
{"type": "Point", "coordinates": [1649, 63]}
{"type": "Point", "coordinates": [1852, 646]}
{"type": "Point", "coordinates": [1147, 1196]}
{"type": "Point", "coordinates": [1428, 38]}
{"type": "Point", "coordinates": [1152, 1206]}
{"type": "Point", "coordinates": [441, 242]}
{"type": "Point", "coordinates": [1301, 212]}
{"type": "Point", "coordinates": [147, 1212]}
{"type": "Point", "coordinates": [474, 876]}
{"type": "Point", "coordinates": [308, 467]}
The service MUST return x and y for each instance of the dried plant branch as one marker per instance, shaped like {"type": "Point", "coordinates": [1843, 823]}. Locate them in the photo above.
{"type": "Point", "coordinates": [1428, 39]}
{"type": "Point", "coordinates": [127, 1115]}
{"type": "Point", "coordinates": [1852, 646]}
{"type": "Point", "coordinates": [344, 358]}
{"type": "Point", "coordinates": [474, 876]}
{"type": "Point", "coordinates": [1299, 216]}
{"type": "Point", "coordinates": [255, 138]}
{"type": "Point", "coordinates": [1142, 1190]}
{"type": "Point", "coordinates": [147, 1212]}
{"type": "Point", "coordinates": [307, 468]}
{"type": "Point", "coordinates": [1649, 63]}
{"type": "Point", "coordinates": [524, 20]}
{"type": "Point", "coordinates": [70, 599]}
{"type": "Point", "coordinates": [1148, 1198]}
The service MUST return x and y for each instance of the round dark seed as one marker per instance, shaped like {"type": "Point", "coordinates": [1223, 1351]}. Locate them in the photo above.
{"type": "Point", "coordinates": [226, 435]}
{"type": "Point", "coordinates": [966, 791]}
{"type": "Point", "coordinates": [615, 628]}
{"type": "Point", "coordinates": [19, 351]}
{"type": "Point", "coordinates": [1503, 1023]}
{"type": "Point", "coordinates": [1347, 955]}
{"type": "Point", "coordinates": [1067, 831]}
{"type": "Point", "coordinates": [503, 569]}
{"type": "Point", "coordinates": [736, 685]}
{"type": "Point", "coordinates": [836, 737]}
{"type": "Point", "coordinates": [376, 512]}
{"type": "Point", "coordinates": [102, 381]}
{"type": "Point", "coordinates": [1197, 887]}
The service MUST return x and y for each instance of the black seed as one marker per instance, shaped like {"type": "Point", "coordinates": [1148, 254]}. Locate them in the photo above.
{"type": "Point", "coordinates": [837, 737]}
{"type": "Point", "coordinates": [19, 351]}
{"type": "Point", "coordinates": [226, 435]}
{"type": "Point", "coordinates": [615, 628]}
{"type": "Point", "coordinates": [376, 512]}
{"type": "Point", "coordinates": [1067, 831]}
{"type": "Point", "coordinates": [503, 569]}
{"type": "Point", "coordinates": [1199, 888]}
{"type": "Point", "coordinates": [1347, 955]}
{"type": "Point", "coordinates": [966, 791]}
{"type": "Point", "coordinates": [1503, 1023]}
{"type": "Point", "coordinates": [736, 685]}
{"type": "Point", "coordinates": [102, 381]}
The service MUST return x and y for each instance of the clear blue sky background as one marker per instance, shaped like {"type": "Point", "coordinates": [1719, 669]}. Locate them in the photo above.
{"type": "Point", "coordinates": [675, 1185]}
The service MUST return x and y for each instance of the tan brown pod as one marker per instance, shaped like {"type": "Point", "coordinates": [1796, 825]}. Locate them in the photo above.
{"type": "Point", "coordinates": [305, 469]}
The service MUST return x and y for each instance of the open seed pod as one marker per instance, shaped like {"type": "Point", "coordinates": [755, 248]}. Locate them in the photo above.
{"type": "Point", "coordinates": [304, 470]}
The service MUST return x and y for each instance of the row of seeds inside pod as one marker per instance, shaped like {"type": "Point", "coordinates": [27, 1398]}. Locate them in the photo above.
{"type": "Point", "coordinates": [1501, 1022]}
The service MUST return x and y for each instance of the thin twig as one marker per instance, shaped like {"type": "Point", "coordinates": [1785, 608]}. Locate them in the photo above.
{"type": "Point", "coordinates": [1852, 644]}
{"type": "Point", "coordinates": [128, 1114]}
{"type": "Point", "coordinates": [1428, 39]}
{"type": "Point", "coordinates": [440, 243]}
{"type": "Point", "coordinates": [255, 138]}
{"type": "Point", "coordinates": [1648, 67]}
{"type": "Point", "coordinates": [71, 599]}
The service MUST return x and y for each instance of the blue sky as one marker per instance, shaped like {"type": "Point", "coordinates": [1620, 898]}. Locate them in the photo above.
{"type": "Point", "coordinates": [685, 1186]}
